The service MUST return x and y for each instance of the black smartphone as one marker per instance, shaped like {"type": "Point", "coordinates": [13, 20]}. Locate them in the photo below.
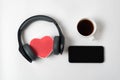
{"type": "Point", "coordinates": [86, 54]}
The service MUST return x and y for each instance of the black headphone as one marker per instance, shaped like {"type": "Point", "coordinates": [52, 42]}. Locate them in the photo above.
{"type": "Point", "coordinates": [26, 50]}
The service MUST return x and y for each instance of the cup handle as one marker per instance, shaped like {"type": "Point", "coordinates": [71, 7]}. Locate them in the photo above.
{"type": "Point", "coordinates": [92, 38]}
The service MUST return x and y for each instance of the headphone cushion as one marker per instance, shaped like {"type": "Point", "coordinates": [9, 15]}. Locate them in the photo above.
{"type": "Point", "coordinates": [28, 50]}
{"type": "Point", "coordinates": [56, 45]}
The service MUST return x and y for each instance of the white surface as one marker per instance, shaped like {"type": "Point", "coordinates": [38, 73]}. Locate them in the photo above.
{"type": "Point", "coordinates": [106, 13]}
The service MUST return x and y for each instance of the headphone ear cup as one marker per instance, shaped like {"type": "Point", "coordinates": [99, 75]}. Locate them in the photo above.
{"type": "Point", "coordinates": [28, 50]}
{"type": "Point", "coordinates": [56, 45]}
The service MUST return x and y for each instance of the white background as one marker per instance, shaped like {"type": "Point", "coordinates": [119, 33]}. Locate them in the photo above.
{"type": "Point", "coordinates": [106, 14]}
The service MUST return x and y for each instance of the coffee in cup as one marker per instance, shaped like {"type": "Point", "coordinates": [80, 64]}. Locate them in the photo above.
{"type": "Point", "coordinates": [86, 27]}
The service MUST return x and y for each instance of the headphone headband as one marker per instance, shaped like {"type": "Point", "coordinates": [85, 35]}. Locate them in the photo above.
{"type": "Point", "coordinates": [30, 20]}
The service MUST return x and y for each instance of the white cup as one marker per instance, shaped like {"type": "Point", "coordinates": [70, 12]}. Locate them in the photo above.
{"type": "Point", "coordinates": [87, 28]}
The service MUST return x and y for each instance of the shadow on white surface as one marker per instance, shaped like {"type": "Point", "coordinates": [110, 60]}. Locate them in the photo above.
{"type": "Point", "coordinates": [100, 29]}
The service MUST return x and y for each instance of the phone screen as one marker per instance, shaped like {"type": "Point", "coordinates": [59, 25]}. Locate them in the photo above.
{"type": "Point", "coordinates": [86, 54]}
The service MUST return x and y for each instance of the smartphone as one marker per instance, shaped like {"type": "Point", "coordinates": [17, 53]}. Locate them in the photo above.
{"type": "Point", "coordinates": [86, 54]}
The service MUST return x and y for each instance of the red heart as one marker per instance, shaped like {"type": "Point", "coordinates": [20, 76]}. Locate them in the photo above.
{"type": "Point", "coordinates": [42, 47]}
